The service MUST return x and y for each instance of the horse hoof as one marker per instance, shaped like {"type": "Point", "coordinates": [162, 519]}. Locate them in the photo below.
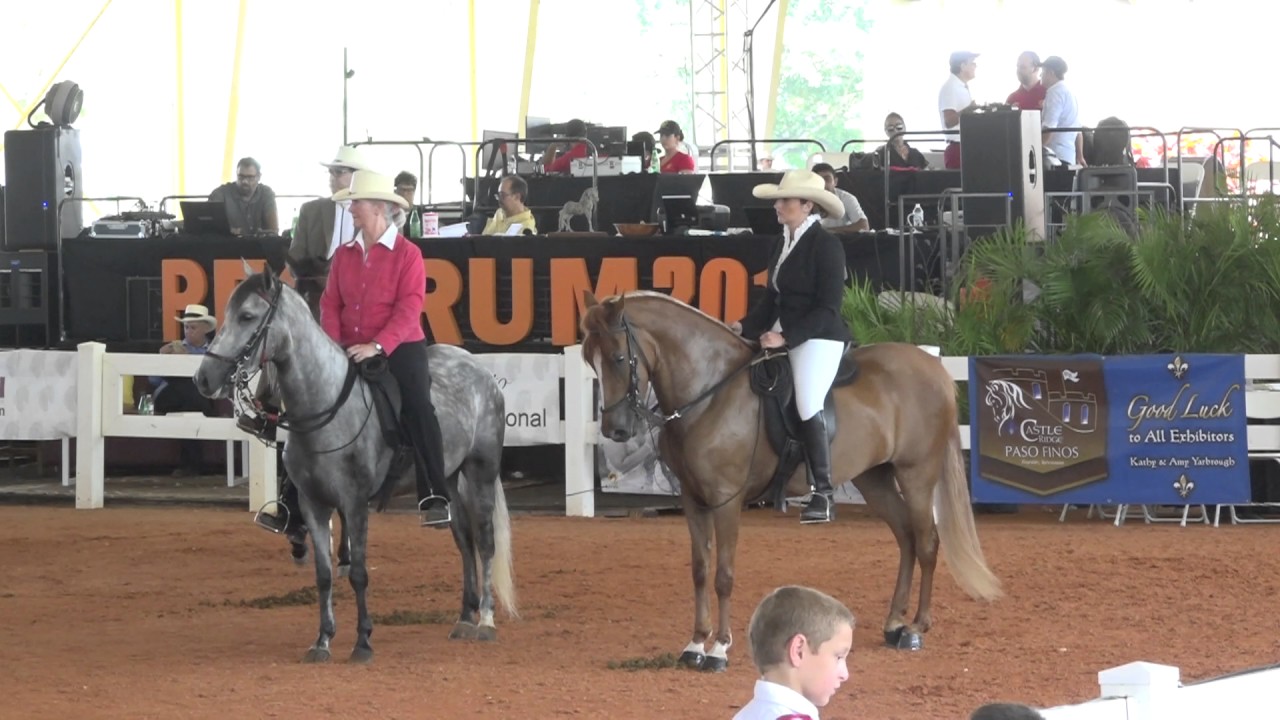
{"type": "Point", "coordinates": [487, 633]}
{"type": "Point", "coordinates": [316, 655]}
{"type": "Point", "coordinates": [714, 664]}
{"type": "Point", "coordinates": [344, 571]}
{"type": "Point", "coordinates": [910, 641]}
{"type": "Point", "coordinates": [692, 660]}
{"type": "Point", "coordinates": [891, 637]}
{"type": "Point", "coordinates": [362, 656]}
{"type": "Point", "coordinates": [463, 631]}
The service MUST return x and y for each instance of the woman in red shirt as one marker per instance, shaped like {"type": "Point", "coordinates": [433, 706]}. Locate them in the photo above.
{"type": "Point", "coordinates": [372, 305]}
{"type": "Point", "coordinates": [675, 160]}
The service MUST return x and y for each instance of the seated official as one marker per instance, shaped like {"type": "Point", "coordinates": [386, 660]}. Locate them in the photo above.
{"type": "Point", "coordinates": [555, 162]}
{"type": "Point", "coordinates": [511, 193]}
{"type": "Point", "coordinates": [674, 159]}
{"type": "Point", "coordinates": [251, 206]}
{"type": "Point", "coordinates": [407, 187]}
{"type": "Point", "coordinates": [899, 153]}
{"type": "Point", "coordinates": [179, 394]}
{"type": "Point", "coordinates": [853, 219]}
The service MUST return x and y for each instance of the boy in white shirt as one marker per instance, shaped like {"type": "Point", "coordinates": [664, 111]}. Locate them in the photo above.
{"type": "Point", "coordinates": [800, 641]}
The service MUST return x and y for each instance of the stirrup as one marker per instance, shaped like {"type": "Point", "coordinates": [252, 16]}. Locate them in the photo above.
{"type": "Point", "coordinates": [276, 522]}
{"type": "Point", "coordinates": [811, 516]}
{"type": "Point", "coordinates": [426, 504]}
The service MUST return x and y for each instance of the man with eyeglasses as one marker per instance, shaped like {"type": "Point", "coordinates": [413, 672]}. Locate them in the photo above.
{"type": "Point", "coordinates": [251, 206]}
{"type": "Point", "coordinates": [407, 188]}
{"type": "Point", "coordinates": [324, 225]}
{"type": "Point", "coordinates": [510, 196]}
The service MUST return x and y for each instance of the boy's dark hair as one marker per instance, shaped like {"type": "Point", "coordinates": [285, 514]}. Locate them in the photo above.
{"type": "Point", "coordinates": [1005, 711]}
{"type": "Point", "coordinates": [822, 167]}
{"type": "Point", "coordinates": [789, 611]}
{"type": "Point", "coordinates": [406, 178]}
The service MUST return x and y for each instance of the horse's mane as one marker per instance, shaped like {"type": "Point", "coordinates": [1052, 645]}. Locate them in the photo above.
{"type": "Point", "coordinates": [595, 321]}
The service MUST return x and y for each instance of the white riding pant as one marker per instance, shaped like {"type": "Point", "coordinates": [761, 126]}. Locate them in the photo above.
{"type": "Point", "coordinates": [813, 368]}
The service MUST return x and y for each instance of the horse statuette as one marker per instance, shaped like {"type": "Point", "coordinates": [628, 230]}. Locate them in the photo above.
{"type": "Point", "coordinates": [337, 454]}
{"type": "Point", "coordinates": [897, 439]}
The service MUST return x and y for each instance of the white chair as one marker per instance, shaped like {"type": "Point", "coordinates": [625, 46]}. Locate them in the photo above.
{"type": "Point", "coordinates": [1264, 174]}
{"type": "Point", "coordinates": [837, 160]}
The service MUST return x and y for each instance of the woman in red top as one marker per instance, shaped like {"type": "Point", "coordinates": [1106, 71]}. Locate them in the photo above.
{"type": "Point", "coordinates": [372, 305]}
{"type": "Point", "coordinates": [675, 160]}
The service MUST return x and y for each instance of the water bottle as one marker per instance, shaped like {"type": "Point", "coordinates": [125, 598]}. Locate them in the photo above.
{"type": "Point", "coordinates": [145, 405]}
{"type": "Point", "coordinates": [916, 219]}
{"type": "Point", "coordinates": [415, 224]}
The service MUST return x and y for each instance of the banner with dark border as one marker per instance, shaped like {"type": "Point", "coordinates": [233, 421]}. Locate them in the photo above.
{"type": "Point", "coordinates": [1158, 429]}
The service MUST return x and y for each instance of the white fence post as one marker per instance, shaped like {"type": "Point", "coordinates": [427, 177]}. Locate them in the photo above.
{"type": "Point", "coordinates": [579, 436]}
{"type": "Point", "coordinates": [90, 444]}
{"type": "Point", "coordinates": [262, 475]}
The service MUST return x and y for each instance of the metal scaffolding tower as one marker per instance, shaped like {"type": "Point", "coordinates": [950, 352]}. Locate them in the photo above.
{"type": "Point", "coordinates": [718, 79]}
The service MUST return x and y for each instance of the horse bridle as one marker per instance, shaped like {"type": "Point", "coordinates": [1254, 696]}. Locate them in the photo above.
{"type": "Point", "coordinates": [635, 356]}
{"type": "Point", "coordinates": [240, 375]}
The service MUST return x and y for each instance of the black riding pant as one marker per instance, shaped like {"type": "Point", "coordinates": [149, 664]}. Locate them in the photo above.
{"type": "Point", "coordinates": [408, 363]}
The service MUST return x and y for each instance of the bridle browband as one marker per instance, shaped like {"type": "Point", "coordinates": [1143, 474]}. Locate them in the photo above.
{"type": "Point", "coordinates": [635, 356]}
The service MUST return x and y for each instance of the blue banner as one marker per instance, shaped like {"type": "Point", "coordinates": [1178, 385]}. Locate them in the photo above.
{"type": "Point", "coordinates": [1152, 429]}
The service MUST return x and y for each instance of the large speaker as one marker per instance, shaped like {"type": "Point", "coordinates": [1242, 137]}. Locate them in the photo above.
{"type": "Point", "coordinates": [42, 170]}
{"type": "Point", "coordinates": [1000, 152]}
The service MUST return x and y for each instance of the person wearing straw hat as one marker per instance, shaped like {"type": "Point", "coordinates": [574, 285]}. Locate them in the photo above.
{"type": "Point", "coordinates": [179, 394]}
{"type": "Point", "coordinates": [324, 225]}
{"type": "Point", "coordinates": [801, 312]}
{"type": "Point", "coordinates": [372, 306]}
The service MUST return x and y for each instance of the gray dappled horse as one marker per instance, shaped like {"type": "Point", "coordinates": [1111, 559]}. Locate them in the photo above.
{"type": "Point", "coordinates": [337, 454]}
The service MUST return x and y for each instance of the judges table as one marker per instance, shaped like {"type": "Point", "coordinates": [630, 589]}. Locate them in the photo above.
{"type": "Point", "coordinates": [487, 293]}
{"type": "Point", "coordinates": [628, 198]}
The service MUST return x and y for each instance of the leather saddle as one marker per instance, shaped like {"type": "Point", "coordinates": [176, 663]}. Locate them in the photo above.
{"type": "Point", "coordinates": [388, 404]}
{"type": "Point", "coordinates": [771, 380]}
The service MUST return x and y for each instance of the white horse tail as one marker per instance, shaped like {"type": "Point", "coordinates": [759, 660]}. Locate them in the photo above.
{"type": "Point", "coordinates": [504, 588]}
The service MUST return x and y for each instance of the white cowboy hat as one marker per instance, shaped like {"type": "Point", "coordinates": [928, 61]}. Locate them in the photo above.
{"type": "Point", "coordinates": [348, 156]}
{"type": "Point", "coordinates": [369, 185]}
{"type": "Point", "coordinates": [802, 185]}
{"type": "Point", "coordinates": [196, 313]}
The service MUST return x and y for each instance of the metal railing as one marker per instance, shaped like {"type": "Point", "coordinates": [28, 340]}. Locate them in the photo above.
{"type": "Point", "coordinates": [779, 141]}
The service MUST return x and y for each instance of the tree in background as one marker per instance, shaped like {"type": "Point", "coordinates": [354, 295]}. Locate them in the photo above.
{"type": "Point", "coordinates": [819, 92]}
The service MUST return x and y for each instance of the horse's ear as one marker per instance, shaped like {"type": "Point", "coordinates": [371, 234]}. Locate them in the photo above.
{"type": "Point", "coordinates": [269, 278]}
{"type": "Point", "coordinates": [248, 269]}
{"type": "Point", "coordinates": [589, 299]}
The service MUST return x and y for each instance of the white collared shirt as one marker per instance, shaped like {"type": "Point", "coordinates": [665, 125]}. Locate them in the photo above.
{"type": "Point", "coordinates": [954, 95]}
{"type": "Point", "coordinates": [772, 701]}
{"type": "Point", "coordinates": [387, 238]}
{"type": "Point", "coordinates": [343, 228]}
{"type": "Point", "coordinates": [1061, 110]}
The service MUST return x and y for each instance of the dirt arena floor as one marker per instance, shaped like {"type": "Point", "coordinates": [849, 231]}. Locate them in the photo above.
{"type": "Point", "coordinates": [135, 612]}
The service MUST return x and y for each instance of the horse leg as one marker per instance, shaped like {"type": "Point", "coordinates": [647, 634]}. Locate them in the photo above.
{"type": "Point", "coordinates": [318, 524]}
{"type": "Point", "coordinates": [878, 489]}
{"type": "Point", "coordinates": [917, 486]}
{"type": "Point", "coordinates": [464, 538]}
{"type": "Point", "coordinates": [699, 520]}
{"type": "Point", "coordinates": [726, 519]}
{"type": "Point", "coordinates": [479, 501]}
{"type": "Point", "coordinates": [355, 533]}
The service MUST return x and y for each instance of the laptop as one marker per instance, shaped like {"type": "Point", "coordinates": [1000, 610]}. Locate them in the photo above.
{"type": "Point", "coordinates": [681, 211]}
{"type": "Point", "coordinates": [205, 217]}
{"type": "Point", "coordinates": [763, 220]}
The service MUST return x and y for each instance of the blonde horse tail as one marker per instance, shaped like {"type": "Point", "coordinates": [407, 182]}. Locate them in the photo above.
{"type": "Point", "coordinates": [504, 588]}
{"type": "Point", "coordinates": [957, 531]}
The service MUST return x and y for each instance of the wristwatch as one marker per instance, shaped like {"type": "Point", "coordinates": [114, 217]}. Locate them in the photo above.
{"type": "Point", "coordinates": [378, 346]}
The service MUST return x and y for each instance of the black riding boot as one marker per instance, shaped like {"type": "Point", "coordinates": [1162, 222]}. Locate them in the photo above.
{"type": "Point", "coordinates": [821, 505]}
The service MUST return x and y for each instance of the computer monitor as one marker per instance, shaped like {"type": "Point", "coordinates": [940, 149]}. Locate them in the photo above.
{"type": "Point", "coordinates": [680, 211]}
{"type": "Point", "coordinates": [603, 135]}
{"type": "Point", "coordinates": [537, 127]}
{"type": "Point", "coordinates": [205, 217]}
{"type": "Point", "coordinates": [493, 157]}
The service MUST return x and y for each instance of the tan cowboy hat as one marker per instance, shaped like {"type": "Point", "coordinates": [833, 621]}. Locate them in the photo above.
{"type": "Point", "coordinates": [802, 185]}
{"type": "Point", "coordinates": [196, 313]}
{"type": "Point", "coordinates": [369, 185]}
{"type": "Point", "coordinates": [348, 156]}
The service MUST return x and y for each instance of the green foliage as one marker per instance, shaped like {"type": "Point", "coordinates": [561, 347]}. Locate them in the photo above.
{"type": "Point", "coordinates": [1210, 283]}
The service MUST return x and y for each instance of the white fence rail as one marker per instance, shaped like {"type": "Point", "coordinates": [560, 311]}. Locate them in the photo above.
{"type": "Point", "coordinates": [1147, 691]}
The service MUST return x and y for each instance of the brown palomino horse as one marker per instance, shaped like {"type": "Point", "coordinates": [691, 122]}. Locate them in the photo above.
{"type": "Point", "coordinates": [896, 422]}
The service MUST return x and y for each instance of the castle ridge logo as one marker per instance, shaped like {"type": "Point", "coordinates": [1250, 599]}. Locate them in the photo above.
{"type": "Point", "coordinates": [1041, 424]}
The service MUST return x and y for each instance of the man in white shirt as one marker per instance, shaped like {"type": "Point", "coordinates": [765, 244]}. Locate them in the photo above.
{"type": "Point", "coordinates": [1060, 111]}
{"type": "Point", "coordinates": [854, 219]}
{"type": "Point", "coordinates": [954, 98]}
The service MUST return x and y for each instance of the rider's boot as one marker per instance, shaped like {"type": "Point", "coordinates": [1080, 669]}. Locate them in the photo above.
{"type": "Point", "coordinates": [820, 507]}
{"type": "Point", "coordinates": [287, 518]}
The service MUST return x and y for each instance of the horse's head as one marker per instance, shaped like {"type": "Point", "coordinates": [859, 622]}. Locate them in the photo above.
{"type": "Point", "coordinates": [614, 348]}
{"type": "Point", "coordinates": [244, 343]}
